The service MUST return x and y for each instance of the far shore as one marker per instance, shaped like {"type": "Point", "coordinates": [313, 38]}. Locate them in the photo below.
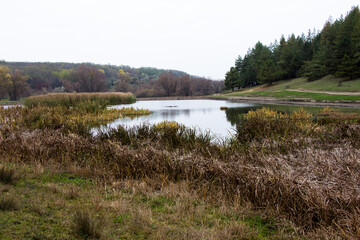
{"type": "Point", "coordinates": [263, 100]}
{"type": "Point", "coordinates": [245, 99]}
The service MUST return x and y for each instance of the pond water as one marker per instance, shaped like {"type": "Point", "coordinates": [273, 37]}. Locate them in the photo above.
{"type": "Point", "coordinates": [204, 115]}
{"type": "Point", "coordinates": [10, 106]}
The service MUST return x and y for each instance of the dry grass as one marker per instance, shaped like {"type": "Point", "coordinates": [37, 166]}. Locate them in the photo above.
{"type": "Point", "coordinates": [305, 170]}
{"type": "Point", "coordinates": [126, 209]}
{"type": "Point", "coordinates": [86, 225]}
{"type": "Point", "coordinates": [7, 176]}
{"type": "Point", "coordinates": [78, 121]}
{"type": "Point", "coordinates": [8, 204]}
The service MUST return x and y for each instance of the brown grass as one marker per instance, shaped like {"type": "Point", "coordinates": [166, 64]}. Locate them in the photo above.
{"type": "Point", "coordinates": [7, 176]}
{"type": "Point", "coordinates": [314, 183]}
{"type": "Point", "coordinates": [86, 225]}
{"type": "Point", "coordinates": [8, 204]}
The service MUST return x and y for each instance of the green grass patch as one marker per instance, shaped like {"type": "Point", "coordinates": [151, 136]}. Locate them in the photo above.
{"type": "Point", "coordinates": [293, 95]}
{"type": "Point", "coordinates": [7, 101]}
{"type": "Point", "coordinates": [264, 227]}
{"type": "Point", "coordinates": [64, 178]}
{"type": "Point", "coordinates": [301, 89]}
{"type": "Point", "coordinates": [160, 203]}
{"type": "Point", "coordinates": [328, 83]}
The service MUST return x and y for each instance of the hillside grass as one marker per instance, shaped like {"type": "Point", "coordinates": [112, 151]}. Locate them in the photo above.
{"type": "Point", "coordinates": [294, 95]}
{"type": "Point", "coordinates": [301, 89]}
{"type": "Point", "coordinates": [311, 109]}
{"type": "Point", "coordinates": [328, 83]}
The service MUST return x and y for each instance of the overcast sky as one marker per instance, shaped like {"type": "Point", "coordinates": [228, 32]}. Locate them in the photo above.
{"type": "Point", "coordinates": [201, 37]}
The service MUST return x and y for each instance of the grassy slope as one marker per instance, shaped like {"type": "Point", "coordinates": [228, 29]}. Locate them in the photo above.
{"type": "Point", "coordinates": [47, 200]}
{"type": "Point", "coordinates": [287, 90]}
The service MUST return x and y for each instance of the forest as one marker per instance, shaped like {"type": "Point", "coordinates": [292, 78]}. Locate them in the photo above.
{"type": "Point", "coordinates": [22, 79]}
{"type": "Point", "coordinates": [334, 50]}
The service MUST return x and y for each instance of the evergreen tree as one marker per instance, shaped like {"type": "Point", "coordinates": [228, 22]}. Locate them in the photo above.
{"type": "Point", "coordinates": [333, 50]}
{"type": "Point", "coordinates": [267, 73]}
{"type": "Point", "coordinates": [314, 70]}
{"type": "Point", "coordinates": [347, 69]}
{"type": "Point", "coordinates": [232, 79]}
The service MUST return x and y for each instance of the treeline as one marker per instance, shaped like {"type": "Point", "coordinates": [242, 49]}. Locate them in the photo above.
{"type": "Point", "coordinates": [333, 50]}
{"type": "Point", "coordinates": [41, 78]}
{"type": "Point", "coordinates": [170, 84]}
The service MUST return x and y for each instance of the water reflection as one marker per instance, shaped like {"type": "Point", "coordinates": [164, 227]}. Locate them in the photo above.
{"type": "Point", "coordinates": [204, 115]}
{"type": "Point", "coordinates": [233, 115]}
{"type": "Point", "coordinates": [10, 106]}
{"type": "Point", "coordinates": [173, 113]}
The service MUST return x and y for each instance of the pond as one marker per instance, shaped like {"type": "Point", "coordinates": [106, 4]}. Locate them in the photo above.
{"type": "Point", "coordinates": [204, 115]}
{"type": "Point", "coordinates": [8, 106]}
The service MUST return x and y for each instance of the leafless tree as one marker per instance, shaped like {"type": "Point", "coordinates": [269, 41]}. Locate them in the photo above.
{"type": "Point", "coordinates": [86, 79]}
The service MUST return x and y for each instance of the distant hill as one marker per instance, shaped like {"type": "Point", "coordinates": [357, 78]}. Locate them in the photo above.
{"type": "Point", "coordinates": [44, 77]}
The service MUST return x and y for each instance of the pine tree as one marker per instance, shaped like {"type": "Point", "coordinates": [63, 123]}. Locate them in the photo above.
{"type": "Point", "coordinates": [347, 69]}
{"type": "Point", "coordinates": [232, 79]}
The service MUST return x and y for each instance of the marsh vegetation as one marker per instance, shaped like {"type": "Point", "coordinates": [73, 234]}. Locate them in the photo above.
{"type": "Point", "coordinates": [282, 176]}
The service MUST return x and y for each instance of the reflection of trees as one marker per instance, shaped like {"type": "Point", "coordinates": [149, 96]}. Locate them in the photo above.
{"type": "Point", "coordinates": [174, 113]}
{"type": "Point", "coordinates": [233, 115]}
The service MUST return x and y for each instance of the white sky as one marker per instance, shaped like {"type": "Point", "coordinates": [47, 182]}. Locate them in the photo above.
{"type": "Point", "coordinates": [201, 37]}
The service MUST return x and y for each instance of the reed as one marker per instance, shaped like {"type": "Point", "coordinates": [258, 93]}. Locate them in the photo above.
{"type": "Point", "coordinates": [75, 120]}
{"type": "Point", "coordinates": [289, 165]}
{"type": "Point", "coordinates": [90, 101]}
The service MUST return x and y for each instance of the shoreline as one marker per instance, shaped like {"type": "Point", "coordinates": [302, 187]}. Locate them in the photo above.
{"type": "Point", "coordinates": [255, 100]}
{"type": "Point", "coordinates": [262, 100]}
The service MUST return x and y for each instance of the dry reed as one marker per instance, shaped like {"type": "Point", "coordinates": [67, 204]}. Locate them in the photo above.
{"type": "Point", "coordinates": [314, 183]}
{"type": "Point", "coordinates": [76, 99]}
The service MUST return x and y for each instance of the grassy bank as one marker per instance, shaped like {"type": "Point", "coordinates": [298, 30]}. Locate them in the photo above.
{"type": "Point", "coordinates": [8, 102]}
{"type": "Point", "coordinates": [295, 95]}
{"type": "Point", "coordinates": [300, 167]}
{"type": "Point", "coordinates": [326, 89]}
{"type": "Point", "coordinates": [328, 83]}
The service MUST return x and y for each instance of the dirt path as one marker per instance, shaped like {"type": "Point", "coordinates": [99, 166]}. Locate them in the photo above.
{"type": "Point", "coordinates": [326, 92]}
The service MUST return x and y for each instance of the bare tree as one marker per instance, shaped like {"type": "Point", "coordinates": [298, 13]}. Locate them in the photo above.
{"type": "Point", "coordinates": [168, 81]}
{"type": "Point", "coordinates": [86, 79]}
{"type": "Point", "coordinates": [185, 86]}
